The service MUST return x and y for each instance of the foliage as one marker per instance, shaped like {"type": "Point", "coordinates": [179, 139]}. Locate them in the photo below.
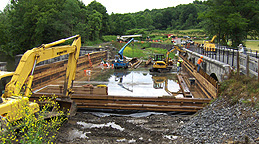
{"type": "Point", "coordinates": [25, 24]}
{"type": "Point", "coordinates": [33, 128]}
{"type": "Point", "coordinates": [241, 88]}
{"type": "Point", "coordinates": [109, 38]}
{"type": "Point", "coordinates": [144, 51]}
{"type": "Point", "coordinates": [29, 23]}
{"type": "Point", "coordinates": [231, 19]}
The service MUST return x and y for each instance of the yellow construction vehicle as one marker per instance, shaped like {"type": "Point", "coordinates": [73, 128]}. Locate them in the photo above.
{"type": "Point", "coordinates": [161, 82]}
{"type": "Point", "coordinates": [163, 66]}
{"type": "Point", "coordinates": [209, 45]}
{"type": "Point", "coordinates": [18, 90]}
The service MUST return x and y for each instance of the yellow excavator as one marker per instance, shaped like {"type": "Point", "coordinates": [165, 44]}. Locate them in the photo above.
{"type": "Point", "coordinates": [161, 82]}
{"type": "Point", "coordinates": [209, 45]}
{"type": "Point", "coordinates": [18, 90]}
{"type": "Point", "coordinates": [163, 65]}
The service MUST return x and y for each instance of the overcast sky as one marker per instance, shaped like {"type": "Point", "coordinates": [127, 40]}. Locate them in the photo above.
{"type": "Point", "coordinates": [127, 6]}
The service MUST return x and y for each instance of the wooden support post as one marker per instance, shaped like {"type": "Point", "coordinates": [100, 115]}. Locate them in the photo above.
{"type": "Point", "coordinates": [238, 65]}
{"type": "Point", "coordinates": [247, 65]}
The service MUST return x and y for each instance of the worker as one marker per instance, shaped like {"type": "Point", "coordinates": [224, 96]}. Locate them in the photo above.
{"type": "Point", "coordinates": [199, 62]}
{"type": "Point", "coordinates": [241, 49]}
{"type": "Point", "coordinates": [179, 64]}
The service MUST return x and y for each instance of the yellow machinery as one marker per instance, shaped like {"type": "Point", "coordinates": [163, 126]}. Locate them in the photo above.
{"type": "Point", "coordinates": [160, 82]}
{"type": "Point", "coordinates": [161, 66]}
{"type": "Point", "coordinates": [209, 45]}
{"type": "Point", "coordinates": [18, 89]}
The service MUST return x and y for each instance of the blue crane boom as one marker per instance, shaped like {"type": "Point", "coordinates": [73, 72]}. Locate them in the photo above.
{"type": "Point", "coordinates": [122, 49]}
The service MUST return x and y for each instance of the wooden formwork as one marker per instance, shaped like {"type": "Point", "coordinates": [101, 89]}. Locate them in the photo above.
{"type": "Point", "coordinates": [207, 84]}
{"type": "Point", "coordinates": [98, 98]}
{"type": "Point", "coordinates": [44, 74]}
{"type": "Point", "coordinates": [132, 103]}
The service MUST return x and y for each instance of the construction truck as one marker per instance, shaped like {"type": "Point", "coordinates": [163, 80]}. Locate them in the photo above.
{"type": "Point", "coordinates": [164, 65]}
{"type": "Point", "coordinates": [209, 45]}
{"type": "Point", "coordinates": [18, 90]}
{"type": "Point", "coordinates": [120, 61]}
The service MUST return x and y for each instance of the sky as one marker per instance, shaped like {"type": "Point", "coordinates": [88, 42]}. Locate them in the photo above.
{"type": "Point", "coordinates": [127, 6]}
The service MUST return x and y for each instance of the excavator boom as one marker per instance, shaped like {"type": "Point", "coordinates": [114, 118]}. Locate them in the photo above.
{"type": "Point", "coordinates": [42, 53]}
{"type": "Point", "coordinates": [163, 65]}
{"type": "Point", "coordinates": [23, 77]}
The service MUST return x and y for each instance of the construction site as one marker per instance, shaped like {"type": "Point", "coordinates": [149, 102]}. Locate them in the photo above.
{"type": "Point", "coordinates": [117, 99]}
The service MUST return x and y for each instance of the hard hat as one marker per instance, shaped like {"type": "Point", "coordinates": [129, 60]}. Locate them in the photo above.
{"type": "Point", "coordinates": [178, 60]}
{"type": "Point", "coordinates": [240, 45]}
{"type": "Point", "coordinates": [201, 56]}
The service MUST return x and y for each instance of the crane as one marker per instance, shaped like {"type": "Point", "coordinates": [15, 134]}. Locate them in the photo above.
{"type": "Point", "coordinates": [120, 61]}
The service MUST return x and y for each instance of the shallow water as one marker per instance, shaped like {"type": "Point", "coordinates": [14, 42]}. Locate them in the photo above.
{"type": "Point", "coordinates": [142, 84]}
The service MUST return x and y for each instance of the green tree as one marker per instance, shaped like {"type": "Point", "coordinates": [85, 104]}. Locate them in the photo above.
{"type": "Point", "coordinates": [94, 25]}
{"type": "Point", "coordinates": [30, 23]}
{"type": "Point", "coordinates": [234, 19]}
{"type": "Point", "coordinates": [94, 7]}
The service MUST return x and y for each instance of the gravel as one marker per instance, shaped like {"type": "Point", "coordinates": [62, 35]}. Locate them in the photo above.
{"type": "Point", "coordinates": [221, 122]}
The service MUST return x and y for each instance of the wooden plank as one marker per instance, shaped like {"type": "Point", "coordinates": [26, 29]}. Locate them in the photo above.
{"type": "Point", "coordinates": [78, 101]}
{"type": "Point", "coordinates": [140, 107]}
{"type": "Point", "coordinates": [208, 89]}
{"type": "Point", "coordinates": [90, 96]}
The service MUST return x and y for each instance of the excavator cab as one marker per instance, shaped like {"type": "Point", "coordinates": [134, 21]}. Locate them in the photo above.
{"type": "Point", "coordinates": [159, 57]}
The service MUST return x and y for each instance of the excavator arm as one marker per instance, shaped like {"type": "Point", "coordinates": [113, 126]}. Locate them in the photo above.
{"type": "Point", "coordinates": [29, 60]}
{"type": "Point", "coordinates": [167, 54]}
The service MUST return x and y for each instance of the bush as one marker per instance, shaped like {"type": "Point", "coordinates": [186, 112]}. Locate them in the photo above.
{"type": "Point", "coordinates": [33, 128]}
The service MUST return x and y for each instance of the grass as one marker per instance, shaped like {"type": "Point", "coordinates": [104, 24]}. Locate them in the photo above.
{"type": "Point", "coordinates": [142, 51]}
{"type": "Point", "coordinates": [241, 89]}
{"type": "Point", "coordinates": [254, 45]}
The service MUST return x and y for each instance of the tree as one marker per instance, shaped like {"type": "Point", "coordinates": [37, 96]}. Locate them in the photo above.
{"type": "Point", "coordinates": [30, 23]}
{"type": "Point", "coordinates": [94, 7]}
{"type": "Point", "coordinates": [94, 25]}
{"type": "Point", "coordinates": [234, 19]}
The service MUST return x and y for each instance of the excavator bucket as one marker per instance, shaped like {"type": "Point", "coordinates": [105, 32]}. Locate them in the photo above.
{"type": "Point", "coordinates": [68, 106]}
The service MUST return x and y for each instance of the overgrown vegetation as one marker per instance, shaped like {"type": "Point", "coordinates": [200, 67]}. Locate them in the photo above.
{"type": "Point", "coordinates": [141, 50]}
{"type": "Point", "coordinates": [241, 89]}
{"type": "Point", "coordinates": [33, 128]}
{"type": "Point", "coordinates": [25, 24]}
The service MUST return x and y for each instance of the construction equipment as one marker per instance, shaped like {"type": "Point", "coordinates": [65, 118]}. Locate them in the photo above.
{"type": "Point", "coordinates": [18, 90]}
{"type": "Point", "coordinates": [163, 66]}
{"type": "Point", "coordinates": [120, 61]}
{"type": "Point", "coordinates": [125, 38]}
{"type": "Point", "coordinates": [161, 82]}
{"type": "Point", "coordinates": [209, 45]}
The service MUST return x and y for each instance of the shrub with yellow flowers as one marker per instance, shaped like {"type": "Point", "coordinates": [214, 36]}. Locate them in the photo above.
{"type": "Point", "coordinates": [40, 127]}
